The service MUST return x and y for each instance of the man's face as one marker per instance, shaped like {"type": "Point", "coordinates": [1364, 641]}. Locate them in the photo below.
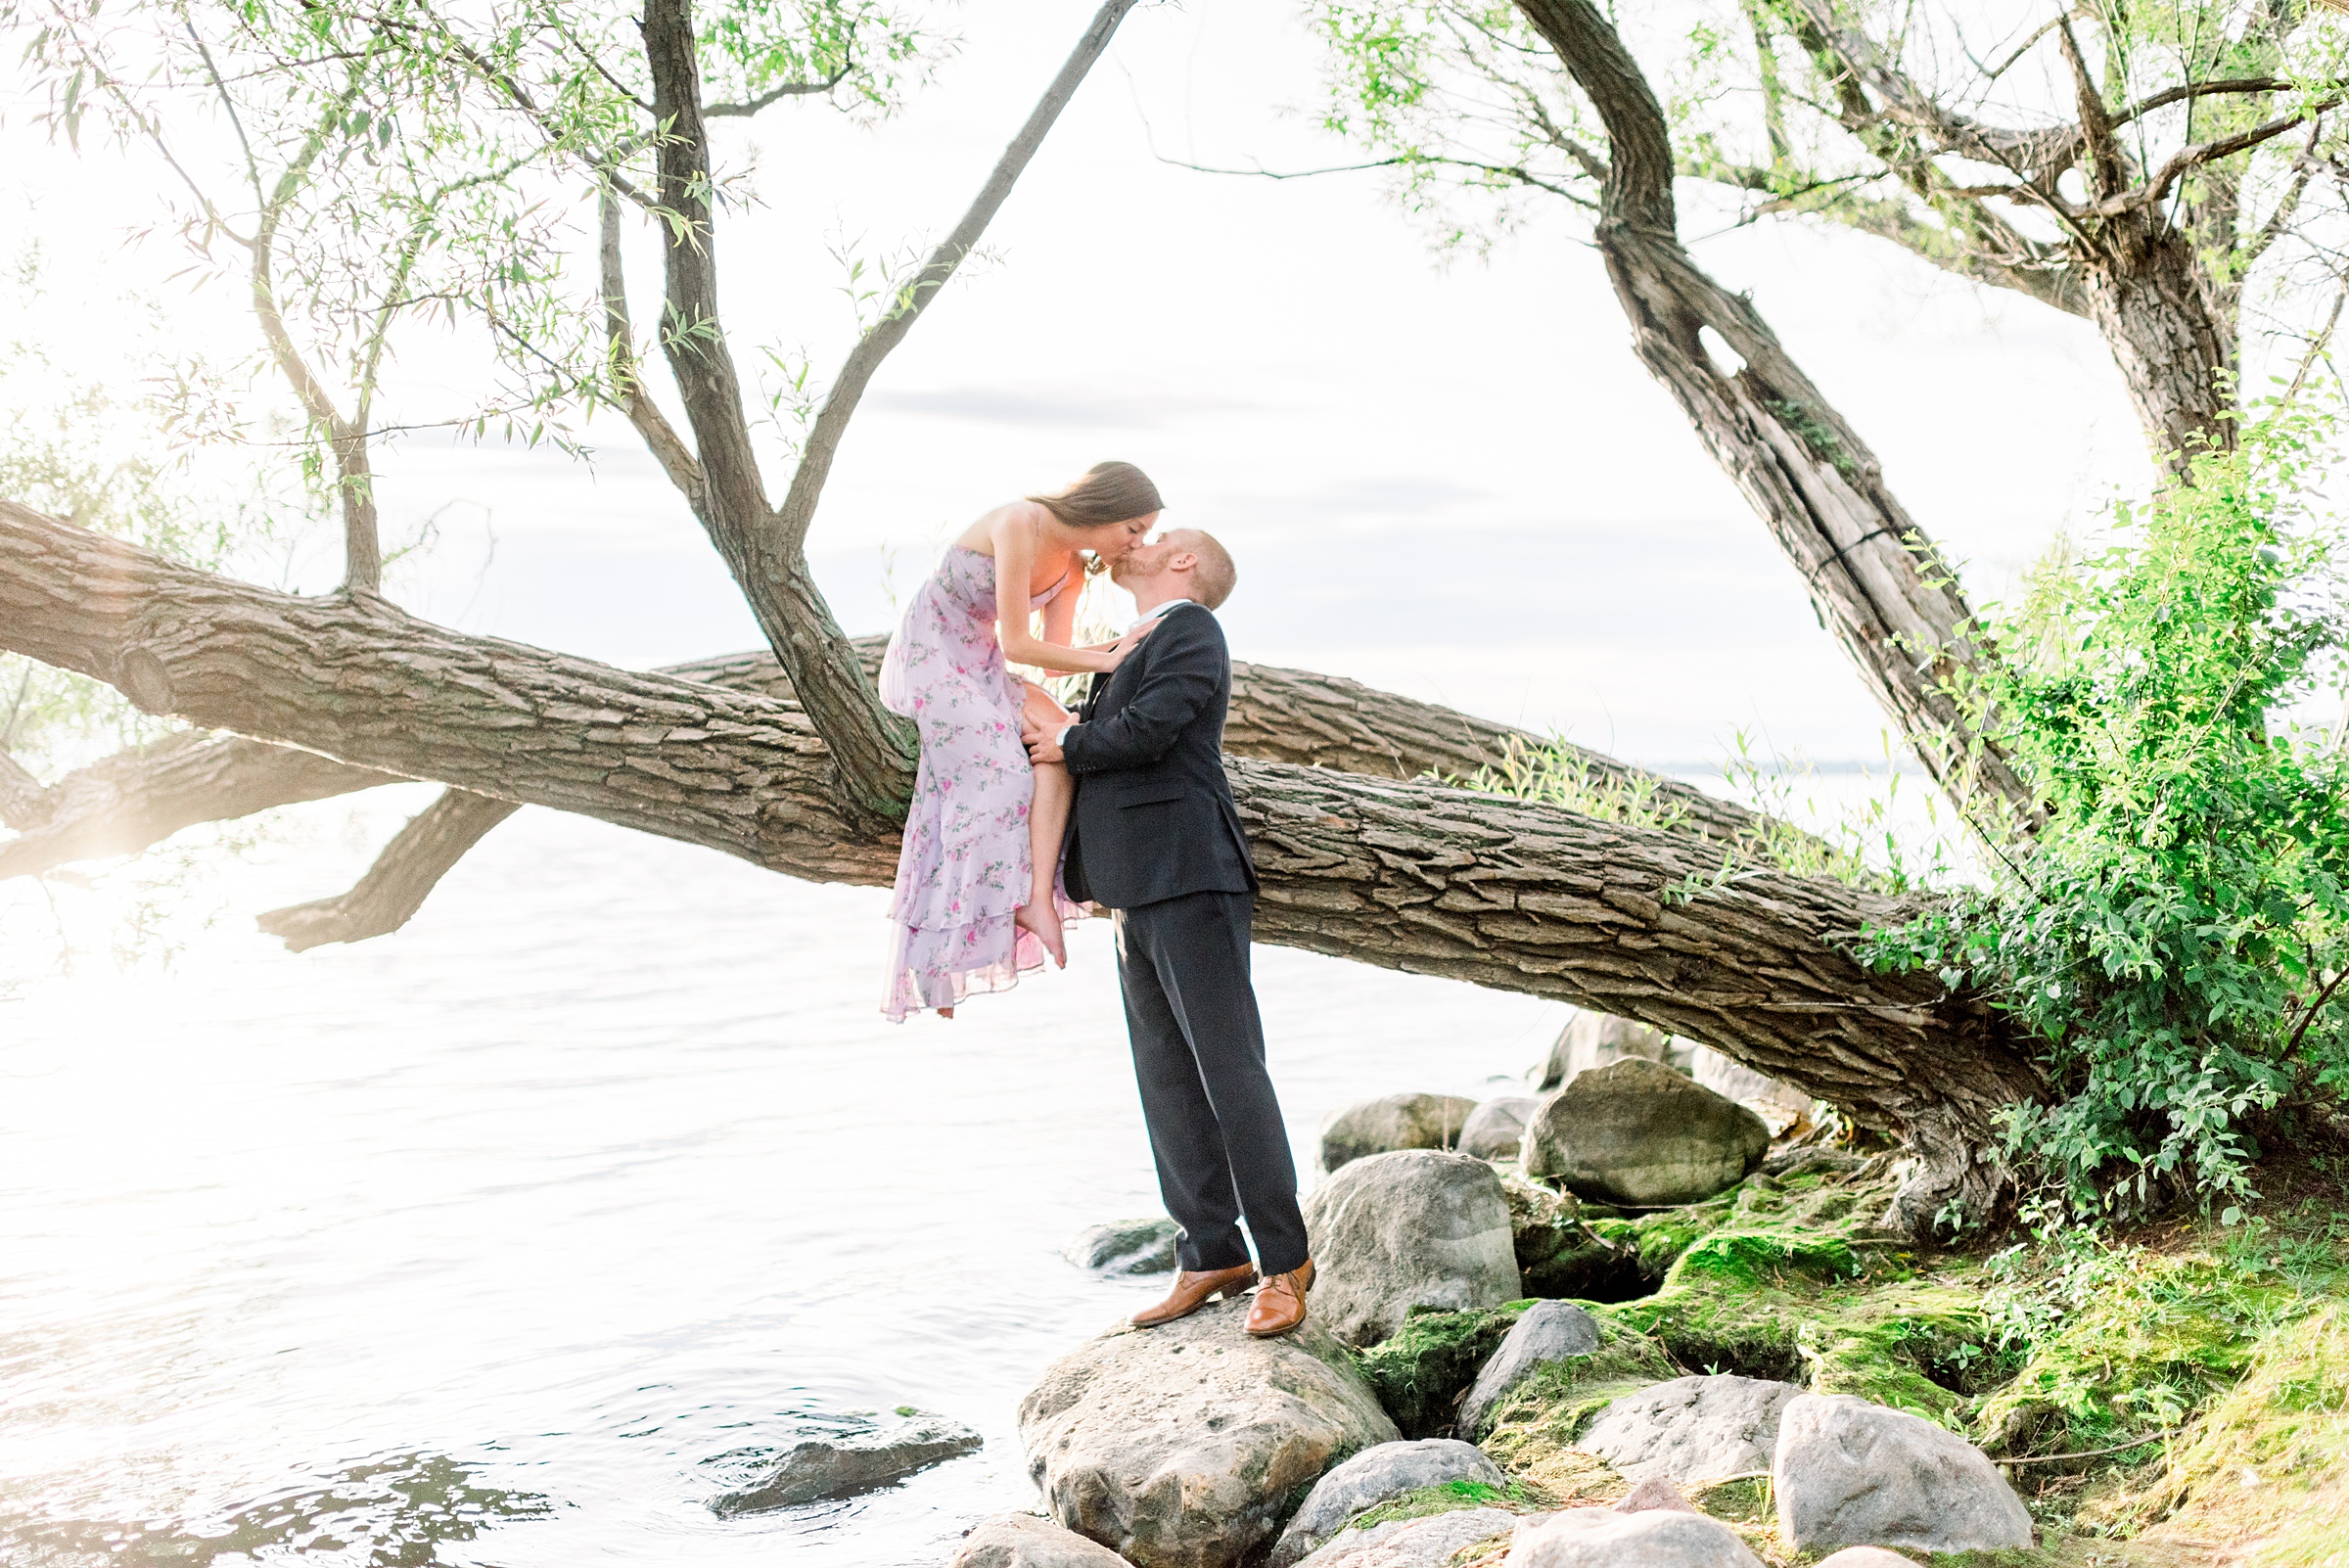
{"type": "Point", "coordinates": [1146, 560]}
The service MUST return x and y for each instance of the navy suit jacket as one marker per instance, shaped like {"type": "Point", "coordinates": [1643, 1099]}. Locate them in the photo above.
{"type": "Point", "coordinates": [1153, 817]}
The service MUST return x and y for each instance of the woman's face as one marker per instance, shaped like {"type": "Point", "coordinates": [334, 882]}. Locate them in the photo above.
{"type": "Point", "coordinates": [1113, 541]}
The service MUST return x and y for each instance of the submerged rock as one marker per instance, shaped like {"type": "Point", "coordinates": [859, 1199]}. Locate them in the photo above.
{"type": "Point", "coordinates": [1849, 1473]}
{"type": "Point", "coordinates": [1395, 1122]}
{"type": "Point", "coordinates": [1638, 1132]}
{"type": "Point", "coordinates": [1692, 1429]}
{"type": "Point", "coordinates": [1434, 1541]}
{"type": "Point", "coordinates": [824, 1467]}
{"type": "Point", "coordinates": [1410, 1228]}
{"type": "Point", "coordinates": [1370, 1478]}
{"type": "Point", "coordinates": [1546, 1331]}
{"type": "Point", "coordinates": [1125, 1246]}
{"type": "Point", "coordinates": [1185, 1446]}
{"type": "Point", "coordinates": [1022, 1541]}
{"type": "Point", "coordinates": [1495, 1130]}
{"type": "Point", "coordinates": [1601, 1538]}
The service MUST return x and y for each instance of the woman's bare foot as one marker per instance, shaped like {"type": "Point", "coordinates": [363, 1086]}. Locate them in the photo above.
{"type": "Point", "coordinates": [945, 1012]}
{"type": "Point", "coordinates": [1042, 918]}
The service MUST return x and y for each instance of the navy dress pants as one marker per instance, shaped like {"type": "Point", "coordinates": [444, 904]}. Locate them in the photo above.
{"type": "Point", "coordinates": [1216, 1130]}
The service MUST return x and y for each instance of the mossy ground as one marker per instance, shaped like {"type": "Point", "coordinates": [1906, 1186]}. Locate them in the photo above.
{"type": "Point", "coordinates": [2226, 1348]}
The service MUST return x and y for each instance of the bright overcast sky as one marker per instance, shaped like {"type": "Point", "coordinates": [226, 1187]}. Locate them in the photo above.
{"type": "Point", "coordinates": [1449, 479]}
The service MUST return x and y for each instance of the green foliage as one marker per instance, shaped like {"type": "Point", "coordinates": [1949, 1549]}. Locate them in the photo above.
{"type": "Point", "coordinates": [144, 465]}
{"type": "Point", "coordinates": [1559, 773]}
{"type": "Point", "coordinates": [1868, 843]}
{"type": "Point", "coordinates": [1449, 1496]}
{"type": "Point", "coordinates": [2177, 929]}
{"type": "Point", "coordinates": [1420, 1371]}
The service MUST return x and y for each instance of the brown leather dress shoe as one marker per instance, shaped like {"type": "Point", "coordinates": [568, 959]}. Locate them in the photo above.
{"type": "Point", "coordinates": [1280, 1302]}
{"type": "Point", "coordinates": [1193, 1291]}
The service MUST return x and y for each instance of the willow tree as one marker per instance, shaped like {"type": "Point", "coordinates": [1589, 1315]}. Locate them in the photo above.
{"type": "Point", "coordinates": [379, 164]}
{"type": "Point", "coordinates": [2168, 173]}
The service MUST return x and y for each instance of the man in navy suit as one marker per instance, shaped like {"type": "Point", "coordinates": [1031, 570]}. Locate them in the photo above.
{"type": "Point", "coordinates": [1154, 836]}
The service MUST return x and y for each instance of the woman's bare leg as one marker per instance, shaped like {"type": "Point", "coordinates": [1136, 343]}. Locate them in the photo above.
{"type": "Point", "coordinates": [1047, 820]}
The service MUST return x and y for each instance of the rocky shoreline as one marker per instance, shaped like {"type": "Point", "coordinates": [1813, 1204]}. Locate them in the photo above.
{"type": "Point", "coordinates": [1632, 1321]}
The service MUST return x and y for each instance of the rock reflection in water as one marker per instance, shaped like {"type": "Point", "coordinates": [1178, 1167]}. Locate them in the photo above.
{"type": "Point", "coordinates": [395, 1512]}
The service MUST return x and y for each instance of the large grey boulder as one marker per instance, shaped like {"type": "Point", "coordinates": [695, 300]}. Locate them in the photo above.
{"type": "Point", "coordinates": [1849, 1473]}
{"type": "Point", "coordinates": [1593, 1040]}
{"type": "Point", "coordinates": [1546, 1331]}
{"type": "Point", "coordinates": [1184, 1446]}
{"type": "Point", "coordinates": [825, 1467]}
{"type": "Point", "coordinates": [1411, 1229]}
{"type": "Point", "coordinates": [1395, 1122]}
{"type": "Point", "coordinates": [1022, 1541]}
{"type": "Point", "coordinates": [1370, 1478]}
{"type": "Point", "coordinates": [1638, 1132]}
{"type": "Point", "coordinates": [1692, 1429]}
{"type": "Point", "coordinates": [1865, 1558]}
{"type": "Point", "coordinates": [1432, 1542]}
{"type": "Point", "coordinates": [1495, 1128]}
{"type": "Point", "coordinates": [1601, 1538]}
{"type": "Point", "coordinates": [1125, 1246]}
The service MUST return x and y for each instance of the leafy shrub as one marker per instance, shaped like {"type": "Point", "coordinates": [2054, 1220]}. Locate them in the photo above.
{"type": "Point", "coordinates": [2176, 927]}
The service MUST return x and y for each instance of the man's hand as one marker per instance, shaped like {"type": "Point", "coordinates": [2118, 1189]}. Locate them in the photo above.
{"type": "Point", "coordinates": [1044, 745]}
{"type": "Point", "coordinates": [1041, 722]}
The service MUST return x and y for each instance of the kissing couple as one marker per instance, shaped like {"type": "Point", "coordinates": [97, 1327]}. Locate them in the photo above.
{"type": "Point", "coordinates": [1025, 814]}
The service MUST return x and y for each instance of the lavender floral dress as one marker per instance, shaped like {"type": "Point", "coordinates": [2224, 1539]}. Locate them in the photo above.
{"type": "Point", "coordinates": [965, 865]}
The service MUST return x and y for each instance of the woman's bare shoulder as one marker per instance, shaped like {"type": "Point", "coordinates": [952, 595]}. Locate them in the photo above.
{"type": "Point", "coordinates": [981, 536]}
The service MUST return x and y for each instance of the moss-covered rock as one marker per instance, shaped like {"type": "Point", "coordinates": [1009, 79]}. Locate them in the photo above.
{"type": "Point", "coordinates": [2230, 1346]}
{"type": "Point", "coordinates": [1561, 1257]}
{"type": "Point", "coordinates": [1450, 1497]}
{"type": "Point", "coordinates": [1421, 1370]}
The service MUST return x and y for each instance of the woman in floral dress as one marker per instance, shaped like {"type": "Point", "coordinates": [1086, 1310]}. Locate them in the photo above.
{"type": "Point", "coordinates": [977, 898]}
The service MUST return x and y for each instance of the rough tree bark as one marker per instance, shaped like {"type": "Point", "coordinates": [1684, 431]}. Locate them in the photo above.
{"type": "Point", "coordinates": [2161, 295]}
{"type": "Point", "coordinates": [1404, 875]}
{"type": "Point", "coordinates": [1803, 468]}
{"type": "Point", "coordinates": [1289, 715]}
{"type": "Point", "coordinates": [137, 799]}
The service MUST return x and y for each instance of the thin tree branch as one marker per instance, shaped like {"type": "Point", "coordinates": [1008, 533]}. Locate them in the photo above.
{"type": "Point", "coordinates": [2188, 159]}
{"type": "Point", "coordinates": [797, 510]}
{"type": "Point", "coordinates": [773, 96]}
{"type": "Point", "coordinates": [626, 371]}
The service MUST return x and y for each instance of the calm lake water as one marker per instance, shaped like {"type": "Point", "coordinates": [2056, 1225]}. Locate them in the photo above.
{"type": "Point", "coordinates": [519, 1236]}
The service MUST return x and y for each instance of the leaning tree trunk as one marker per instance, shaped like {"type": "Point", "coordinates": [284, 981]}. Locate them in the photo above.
{"type": "Point", "coordinates": [1869, 568]}
{"type": "Point", "coordinates": [2146, 292]}
{"type": "Point", "coordinates": [1402, 875]}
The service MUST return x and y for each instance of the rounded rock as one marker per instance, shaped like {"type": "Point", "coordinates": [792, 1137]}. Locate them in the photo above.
{"type": "Point", "coordinates": [1410, 1228]}
{"type": "Point", "coordinates": [1369, 1479]}
{"type": "Point", "coordinates": [1495, 1128]}
{"type": "Point", "coordinates": [1395, 1122]}
{"type": "Point", "coordinates": [1182, 1446]}
{"type": "Point", "coordinates": [1022, 1541]}
{"type": "Point", "coordinates": [1692, 1429]}
{"type": "Point", "coordinates": [1638, 1132]}
{"type": "Point", "coordinates": [1849, 1473]}
{"type": "Point", "coordinates": [1125, 1246]}
{"type": "Point", "coordinates": [1433, 1541]}
{"type": "Point", "coordinates": [1546, 1331]}
{"type": "Point", "coordinates": [1601, 1538]}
